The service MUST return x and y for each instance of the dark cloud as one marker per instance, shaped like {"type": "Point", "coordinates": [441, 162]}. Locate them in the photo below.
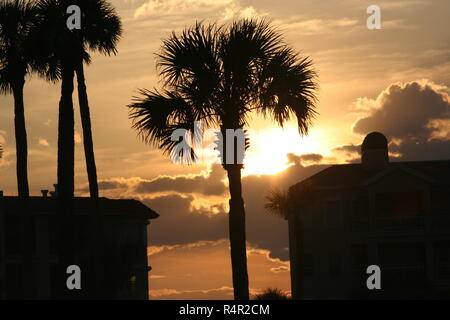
{"type": "Point", "coordinates": [209, 184]}
{"type": "Point", "coordinates": [414, 116]}
{"type": "Point", "coordinates": [299, 160]}
{"type": "Point", "coordinates": [405, 111]}
{"type": "Point", "coordinates": [180, 223]}
{"type": "Point", "coordinates": [311, 157]}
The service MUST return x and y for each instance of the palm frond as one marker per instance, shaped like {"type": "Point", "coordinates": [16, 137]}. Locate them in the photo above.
{"type": "Point", "coordinates": [288, 85]}
{"type": "Point", "coordinates": [157, 117]}
{"type": "Point", "coordinates": [277, 203]}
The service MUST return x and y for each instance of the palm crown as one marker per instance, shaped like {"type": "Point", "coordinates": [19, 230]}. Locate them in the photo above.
{"type": "Point", "coordinates": [100, 30]}
{"type": "Point", "coordinates": [15, 54]}
{"type": "Point", "coordinates": [219, 75]}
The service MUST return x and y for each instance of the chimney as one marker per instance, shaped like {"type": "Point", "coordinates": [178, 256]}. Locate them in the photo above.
{"type": "Point", "coordinates": [54, 194]}
{"type": "Point", "coordinates": [44, 193]}
{"type": "Point", "coordinates": [374, 152]}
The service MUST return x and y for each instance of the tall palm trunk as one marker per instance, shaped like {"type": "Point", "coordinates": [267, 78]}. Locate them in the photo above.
{"type": "Point", "coordinates": [237, 233]}
{"type": "Point", "coordinates": [22, 183]}
{"type": "Point", "coordinates": [87, 132]}
{"type": "Point", "coordinates": [66, 153]}
{"type": "Point", "coordinates": [66, 131]}
{"type": "Point", "coordinates": [96, 214]}
{"type": "Point", "coordinates": [21, 140]}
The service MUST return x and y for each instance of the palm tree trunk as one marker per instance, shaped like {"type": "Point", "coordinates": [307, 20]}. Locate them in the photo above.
{"type": "Point", "coordinates": [87, 132]}
{"type": "Point", "coordinates": [22, 185]}
{"type": "Point", "coordinates": [65, 191]}
{"type": "Point", "coordinates": [66, 131]}
{"type": "Point", "coordinates": [237, 234]}
{"type": "Point", "coordinates": [21, 140]}
{"type": "Point", "coordinates": [96, 234]}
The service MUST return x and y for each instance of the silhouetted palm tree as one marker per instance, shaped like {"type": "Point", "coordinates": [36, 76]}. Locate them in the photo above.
{"type": "Point", "coordinates": [100, 31]}
{"type": "Point", "coordinates": [15, 57]}
{"type": "Point", "coordinates": [219, 75]}
{"type": "Point", "coordinates": [107, 33]}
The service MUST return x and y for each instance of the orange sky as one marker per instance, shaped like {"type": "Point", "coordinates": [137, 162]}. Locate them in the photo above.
{"type": "Point", "coordinates": [357, 71]}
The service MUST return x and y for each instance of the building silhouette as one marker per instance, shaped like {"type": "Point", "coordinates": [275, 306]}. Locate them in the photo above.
{"type": "Point", "coordinates": [117, 270]}
{"type": "Point", "coordinates": [395, 215]}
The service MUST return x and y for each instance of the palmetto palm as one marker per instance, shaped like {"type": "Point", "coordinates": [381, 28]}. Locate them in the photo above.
{"type": "Point", "coordinates": [100, 31]}
{"type": "Point", "coordinates": [15, 59]}
{"type": "Point", "coordinates": [220, 75]}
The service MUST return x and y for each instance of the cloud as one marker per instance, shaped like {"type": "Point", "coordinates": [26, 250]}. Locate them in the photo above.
{"type": "Point", "coordinates": [309, 157]}
{"type": "Point", "coordinates": [317, 26]}
{"type": "Point", "coordinates": [209, 183]}
{"type": "Point", "coordinates": [77, 137]}
{"type": "Point", "coordinates": [280, 269]}
{"type": "Point", "coordinates": [162, 7]}
{"type": "Point", "coordinates": [43, 142]}
{"type": "Point", "coordinates": [415, 116]}
{"type": "Point", "coordinates": [180, 222]}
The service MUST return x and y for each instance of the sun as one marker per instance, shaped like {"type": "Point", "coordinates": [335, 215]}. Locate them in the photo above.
{"type": "Point", "coordinates": [269, 147]}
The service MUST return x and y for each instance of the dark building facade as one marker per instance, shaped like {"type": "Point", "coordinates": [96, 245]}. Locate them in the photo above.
{"type": "Point", "coordinates": [106, 239]}
{"type": "Point", "coordinates": [395, 215]}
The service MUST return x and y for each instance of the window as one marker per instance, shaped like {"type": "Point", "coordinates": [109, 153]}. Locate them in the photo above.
{"type": "Point", "coordinates": [397, 210]}
{"type": "Point", "coordinates": [331, 212]}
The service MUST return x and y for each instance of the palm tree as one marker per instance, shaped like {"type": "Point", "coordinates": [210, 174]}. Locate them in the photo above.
{"type": "Point", "coordinates": [15, 24]}
{"type": "Point", "coordinates": [101, 30]}
{"type": "Point", "coordinates": [220, 75]}
{"type": "Point", "coordinates": [104, 38]}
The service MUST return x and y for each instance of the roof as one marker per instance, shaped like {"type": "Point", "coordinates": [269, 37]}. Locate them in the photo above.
{"type": "Point", "coordinates": [125, 207]}
{"type": "Point", "coordinates": [349, 175]}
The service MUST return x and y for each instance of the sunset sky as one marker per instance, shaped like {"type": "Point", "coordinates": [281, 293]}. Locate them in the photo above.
{"type": "Point", "coordinates": [395, 80]}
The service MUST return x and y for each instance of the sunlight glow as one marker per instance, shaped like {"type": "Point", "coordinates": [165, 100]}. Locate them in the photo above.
{"type": "Point", "coordinates": [269, 147]}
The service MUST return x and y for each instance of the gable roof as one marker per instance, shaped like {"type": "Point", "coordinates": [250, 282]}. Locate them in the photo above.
{"type": "Point", "coordinates": [350, 175]}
